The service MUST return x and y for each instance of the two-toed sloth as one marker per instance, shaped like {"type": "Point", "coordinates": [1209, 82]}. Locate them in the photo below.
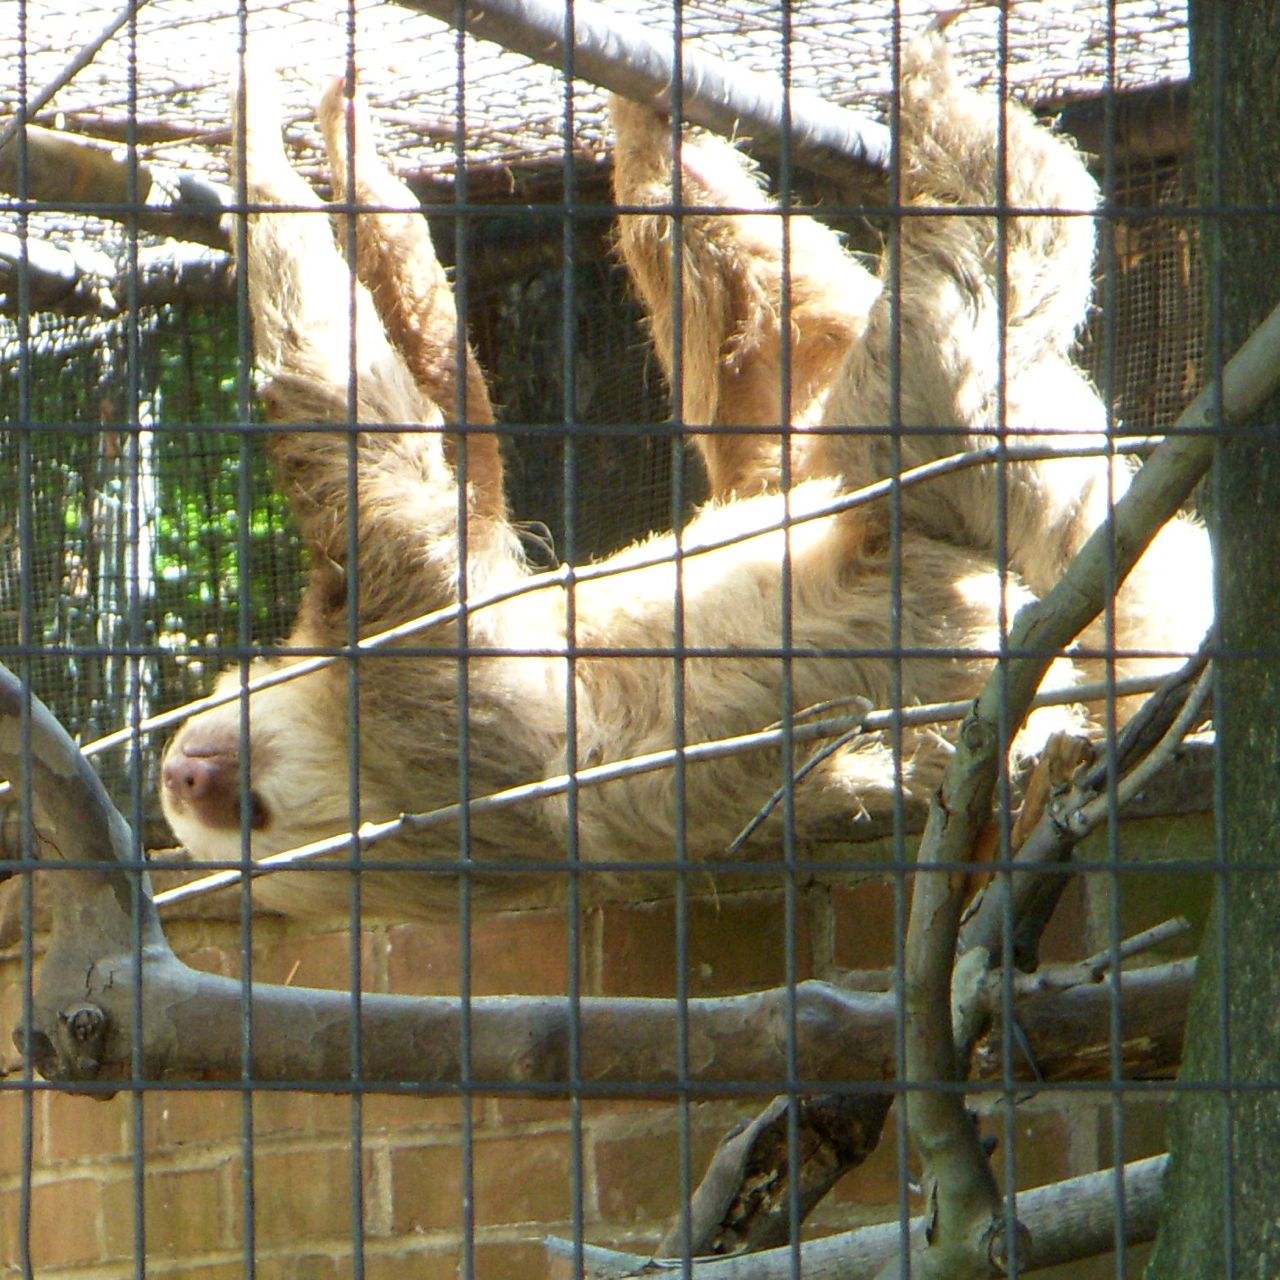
{"type": "Point", "coordinates": [900, 610]}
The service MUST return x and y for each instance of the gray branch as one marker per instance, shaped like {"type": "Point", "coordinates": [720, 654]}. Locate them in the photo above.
{"type": "Point", "coordinates": [77, 280]}
{"type": "Point", "coordinates": [55, 168]}
{"type": "Point", "coordinates": [1068, 1221]}
{"type": "Point", "coordinates": [108, 962]}
{"type": "Point", "coordinates": [590, 42]}
{"type": "Point", "coordinates": [965, 1230]}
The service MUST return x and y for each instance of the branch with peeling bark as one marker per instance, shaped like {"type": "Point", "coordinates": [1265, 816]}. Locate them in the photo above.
{"type": "Point", "coordinates": [108, 958]}
{"type": "Point", "coordinates": [968, 1227]}
{"type": "Point", "coordinates": [743, 1201]}
{"type": "Point", "coordinates": [1066, 1221]}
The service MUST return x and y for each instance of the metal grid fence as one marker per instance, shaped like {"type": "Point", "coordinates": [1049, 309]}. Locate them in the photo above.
{"type": "Point", "coordinates": [569, 1026]}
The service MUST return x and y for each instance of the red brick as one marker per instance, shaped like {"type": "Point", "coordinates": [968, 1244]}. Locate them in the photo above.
{"type": "Point", "coordinates": [524, 1178]}
{"type": "Point", "coordinates": [514, 952]}
{"type": "Point", "coordinates": [80, 1128]}
{"type": "Point", "coordinates": [511, 1260]}
{"type": "Point", "coordinates": [316, 960]}
{"type": "Point", "coordinates": [863, 918]}
{"type": "Point", "coordinates": [426, 1188]}
{"type": "Point", "coordinates": [507, 1109]}
{"type": "Point", "coordinates": [284, 1111]}
{"type": "Point", "coordinates": [307, 1266]}
{"type": "Point", "coordinates": [422, 959]}
{"type": "Point", "coordinates": [303, 1196]}
{"type": "Point", "coordinates": [413, 1258]}
{"type": "Point", "coordinates": [516, 1179]}
{"type": "Point", "coordinates": [10, 1229]}
{"type": "Point", "coordinates": [736, 942]}
{"type": "Point", "coordinates": [214, 1271]}
{"type": "Point", "coordinates": [186, 1212]}
{"type": "Point", "coordinates": [403, 1113]}
{"type": "Point", "coordinates": [637, 1164]}
{"type": "Point", "coordinates": [12, 1105]}
{"type": "Point", "coordinates": [11, 1001]}
{"type": "Point", "coordinates": [64, 1223]}
{"type": "Point", "coordinates": [174, 1119]}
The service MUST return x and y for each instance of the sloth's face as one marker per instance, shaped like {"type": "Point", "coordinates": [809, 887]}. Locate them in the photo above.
{"type": "Point", "coordinates": [211, 794]}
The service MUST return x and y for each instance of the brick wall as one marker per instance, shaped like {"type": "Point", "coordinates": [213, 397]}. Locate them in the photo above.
{"type": "Point", "coordinates": [183, 1149]}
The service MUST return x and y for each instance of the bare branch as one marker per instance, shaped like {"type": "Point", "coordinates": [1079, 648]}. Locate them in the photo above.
{"type": "Point", "coordinates": [522, 1044]}
{"type": "Point", "coordinates": [105, 910]}
{"type": "Point", "coordinates": [743, 1204]}
{"type": "Point", "coordinates": [60, 168]}
{"type": "Point", "coordinates": [617, 53]}
{"type": "Point", "coordinates": [1089, 815]}
{"type": "Point", "coordinates": [1159, 934]}
{"type": "Point", "coordinates": [1026, 896]}
{"type": "Point", "coordinates": [77, 281]}
{"type": "Point", "coordinates": [963, 1198]}
{"type": "Point", "coordinates": [1068, 1221]}
{"type": "Point", "coordinates": [1040, 631]}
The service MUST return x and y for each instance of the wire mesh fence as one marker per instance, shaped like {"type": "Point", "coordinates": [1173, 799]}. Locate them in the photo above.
{"type": "Point", "coordinates": [654, 832]}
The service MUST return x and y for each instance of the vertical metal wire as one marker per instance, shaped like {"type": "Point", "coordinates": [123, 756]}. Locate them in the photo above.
{"type": "Point", "coordinates": [679, 853]}
{"type": "Point", "coordinates": [461, 230]}
{"type": "Point", "coordinates": [355, 949]}
{"type": "Point", "coordinates": [1114, 864]}
{"type": "Point", "coordinates": [900, 864]}
{"type": "Point", "coordinates": [26, 609]}
{"type": "Point", "coordinates": [243, 651]}
{"type": "Point", "coordinates": [1214, 213]}
{"type": "Point", "coordinates": [131, 469]}
{"type": "Point", "coordinates": [1004, 798]}
{"type": "Point", "coordinates": [570, 216]}
{"type": "Point", "coordinates": [786, 196]}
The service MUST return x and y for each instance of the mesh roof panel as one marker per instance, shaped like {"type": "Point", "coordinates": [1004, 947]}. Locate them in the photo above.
{"type": "Point", "coordinates": [168, 69]}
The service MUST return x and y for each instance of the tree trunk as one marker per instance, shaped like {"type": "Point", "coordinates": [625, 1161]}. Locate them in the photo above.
{"type": "Point", "coordinates": [1220, 1210]}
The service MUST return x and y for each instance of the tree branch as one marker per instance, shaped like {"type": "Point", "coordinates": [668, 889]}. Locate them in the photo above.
{"type": "Point", "coordinates": [78, 281]}
{"type": "Point", "coordinates": [114, 1002]}
{"type": "Point", "coordinates": [1067, 1221]}
{"type": "Point", "coordinates": [60, 168]}
{"type": "Point", "coordinates": [743, 1203]}
{"type": "Point", "coordinates": [968, 1222]}
{"type": "Point", "coordinates": [617, 53]}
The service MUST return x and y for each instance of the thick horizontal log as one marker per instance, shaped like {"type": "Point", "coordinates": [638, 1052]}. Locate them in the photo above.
{"type": "Point", "coordinates": [79, 175]}
{"type": "Point", "coordinates": [75, 281]}
{"type": "Point", "coordinates": [192, 1029]}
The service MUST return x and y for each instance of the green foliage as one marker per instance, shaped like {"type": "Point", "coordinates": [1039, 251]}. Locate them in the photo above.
{"type": "Point", "coordinates": [140, 538]}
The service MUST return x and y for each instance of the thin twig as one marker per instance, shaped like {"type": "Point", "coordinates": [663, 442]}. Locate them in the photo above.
{"type": "Point", "coordinates": [1102, 961]}
{"type": "Point", "coordinates": [1086, 817]}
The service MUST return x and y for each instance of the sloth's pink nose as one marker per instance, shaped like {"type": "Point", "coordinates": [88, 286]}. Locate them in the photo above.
{"type": "Point", "coordinates": [194, 778]}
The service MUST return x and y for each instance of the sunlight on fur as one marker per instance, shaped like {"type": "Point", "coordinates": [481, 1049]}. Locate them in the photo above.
{"type": "Point", "coordinates": [910, 618]}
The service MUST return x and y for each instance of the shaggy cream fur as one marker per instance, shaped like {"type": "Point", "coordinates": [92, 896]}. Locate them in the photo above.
{"type": "Point", "coordinates": [984, 321]}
